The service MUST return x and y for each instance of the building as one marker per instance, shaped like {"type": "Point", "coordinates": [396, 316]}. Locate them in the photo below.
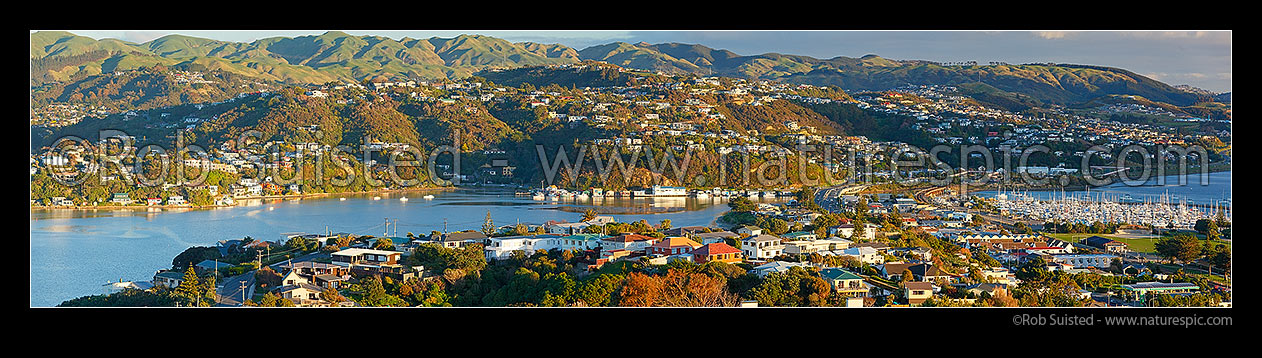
{"type": "Point", "coordinates": [1143, 289]}
{"type": "Point", "coordinates": [776, 267]}
{"type": "Point", "coordinates": [807, 247]}
{"type": "Point", "coordinates": [499, 248]}
{"type": "Point", "coordinates": [659, 190]}
{"type": "Point", "coordinates": [1106, 244]}
{"type": "Point", "coordinates": [867, 232]}
{"type": "Point", "coordinates": [121, 198]}
{"type": "Point", "coordinates": [715, 237]}
{"type": "Point", "coordinates": [749, 230]}
{"type": "Point", "coordinates": [917, 292]}
{"type": "Point", "coordinates": [169, 279]}
{"type": "Point", "coordinates": [845, 282]}
{"type": "Point", "coordinates": [582, 242]}
{"type": "Point", "coordinates": [1085, 260]}
{"type": "Point", "coordinates": [761, 247]}
{"type": "Point", "coordinates": [629, 242]}
{"type": "Point", "coordinates": [672, 246]}
{"type": "Point", "coordinates": [716, 252]}
{"type": "Point", "coordinates": [368, 262]}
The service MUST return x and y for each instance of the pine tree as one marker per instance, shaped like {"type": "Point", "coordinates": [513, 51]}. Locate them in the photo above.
{"type": "Point", "coordinates": [209, 293]}
{"type": "Point", "coordinates": [189, 288]}
{"type": "Point", "coordinates": [488, 227]}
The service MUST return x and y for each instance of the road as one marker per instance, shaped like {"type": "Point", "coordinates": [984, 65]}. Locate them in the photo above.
{"type": "Point", "coordinates": [830, 198]}
{"type": "Point", "coordinates": [230, 293]}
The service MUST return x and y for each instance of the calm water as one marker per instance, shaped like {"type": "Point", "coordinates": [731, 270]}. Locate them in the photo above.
{"type": "Point", "coordinates": [73, 253]}
{"type": "Point", "coordinates": [1218, 188]}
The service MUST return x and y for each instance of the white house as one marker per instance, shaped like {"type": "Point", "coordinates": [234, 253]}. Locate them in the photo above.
{"type": "Point", "coordinates": [761, 247]}
{"type": "Point", "coordinates": [503, 247]}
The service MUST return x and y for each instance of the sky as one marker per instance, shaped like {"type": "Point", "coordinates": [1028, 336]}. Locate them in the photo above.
{"type": "Point", "coordinates": [1198, 58]}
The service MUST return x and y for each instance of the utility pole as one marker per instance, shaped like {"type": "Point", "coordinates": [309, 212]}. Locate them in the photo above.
{"type": "Point", "coordinates": [242, 293]}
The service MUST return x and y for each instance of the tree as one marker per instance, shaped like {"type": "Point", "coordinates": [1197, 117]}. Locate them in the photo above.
{"type": "Point", "coordinates": [640, 290]}
{"type": "Point", "coordinates": [488, 227]}
{"type": "Point", "coordinates": [664, 225]}
{"type": "Point", "coordinates": [332, 296]}
{"type": "Point", "coordinates": [1182, 247]}
{"type": "Point", "coordinates": [589, 214]}
{"type": "Point", "coordinates": [209, 291]}
{"type": "Point", "coordinates": [189, 291]}
{"type": "Point", "coordinates": [907, 277]}
{"type": "Point", "coordinates": [383, 244]}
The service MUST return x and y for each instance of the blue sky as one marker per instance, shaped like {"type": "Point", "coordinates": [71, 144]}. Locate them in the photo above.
{"type": "Point", "coordinates": [1197, 58]}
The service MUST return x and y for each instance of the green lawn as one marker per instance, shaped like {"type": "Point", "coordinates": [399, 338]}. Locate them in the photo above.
{"type": "Point", "coordinates": [1137, 245]}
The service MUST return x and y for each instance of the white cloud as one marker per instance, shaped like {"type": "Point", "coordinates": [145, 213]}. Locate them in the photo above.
{"type": "Point", "coordinates": [142, 36]}
{"type": "Point", "coordinates": [1051, 35]}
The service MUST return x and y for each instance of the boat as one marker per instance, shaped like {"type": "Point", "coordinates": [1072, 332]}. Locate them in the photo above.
{"type": "Point", "coordinates": [403, 199]}
{"type": "Point", "coordinates": [341, 199]}
{"type": "Point", "coordinates": [376, 198]}
{"type": "Point", "coordinates": [428, 197]}
{"type": "Point", "coordinates": [538, 196]}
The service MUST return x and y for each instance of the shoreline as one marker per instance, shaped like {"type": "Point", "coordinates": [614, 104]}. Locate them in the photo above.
{"type": "Point", "coordinates": [269, 197]}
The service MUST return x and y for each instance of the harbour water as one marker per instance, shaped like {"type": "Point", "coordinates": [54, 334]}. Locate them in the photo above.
{"type": "Point", "coordinates": [74, 253]}
{"type": "Point", "coordinates": [1217, 188]}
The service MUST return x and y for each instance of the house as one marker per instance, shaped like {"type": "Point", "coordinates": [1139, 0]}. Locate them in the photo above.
{"type": "Point", "coordinates": [176, 200]}
{"type": "Point", "coordinates": [991, 289]}
{"type": "Point", "coordinates": [924, 272]}
{"type": "Point", "coordinates": [499, 248]}
{"type": "Point", "coordinates": [293, 278]}
{"type": "Point", "coordinates": [462, 239]}
{"type": "Point", "coordinates": [688, 231]}
{"type": "Point", "coordinates": [866, 232]}
{"type": "Point", "coordinates": [168, 278]}
{"type": "Point", "coordinates": [210, 266]}
{"type": "Point", "coordinates": [845, 282]}
{"type": "Point", "coordinates": [749, 230]}
{"type": "Point", "coordinates": [806, 247]}
{"type": "Point", "coordinates": [367, 257]}
{"type": "Point", "coordinates": [864, 254]}
{"type": "Point", "coordinates": [776, 266]}
{"type": "Point", "coordinates": [568, 228]}
{"type": "Point", "coordinates": [1105, 244]}
{"type": "Point", "coordinates": [302, 294]}
{"type": "Point", "coordinates": [121, 198]}
{"type": "Point", "coordinates": [917, 292]}
{"type": "Point", "coordinates": [672, 246]}
{"type": "Point", "coordinates": [800, 236]}
{"type": "Point", "coordinates": [761, 247]}
{"type": "Point", "coordinates": [629, 242]}
{"type": "Point", "coordinates": [368, 262]}
{"type": "Point", "coordinates": [878, 246]}
{"type": "Point", "coordinates": [714, 237]}
{"type": "Point", "coordinates": [716, 252]}
{"type": "Point", "coordinates": [582, 242]}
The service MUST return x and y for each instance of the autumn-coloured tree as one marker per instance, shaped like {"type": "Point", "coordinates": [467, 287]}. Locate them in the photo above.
{"type": "Point", "coordinates": [690, 289]}
{"type": "Point", "coordinates": [640, 290]}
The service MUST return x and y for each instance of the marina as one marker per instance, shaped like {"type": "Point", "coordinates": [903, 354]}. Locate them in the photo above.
{"type": "Point", "coordinates": [1161, 206]}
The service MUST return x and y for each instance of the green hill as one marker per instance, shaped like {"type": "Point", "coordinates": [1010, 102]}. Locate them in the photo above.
{"type": "Point", "coordinates": [61, 56]}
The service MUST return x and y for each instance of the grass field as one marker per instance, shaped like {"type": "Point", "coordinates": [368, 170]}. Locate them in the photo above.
{"type": "Point", "coordinates": [1137, 245]}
